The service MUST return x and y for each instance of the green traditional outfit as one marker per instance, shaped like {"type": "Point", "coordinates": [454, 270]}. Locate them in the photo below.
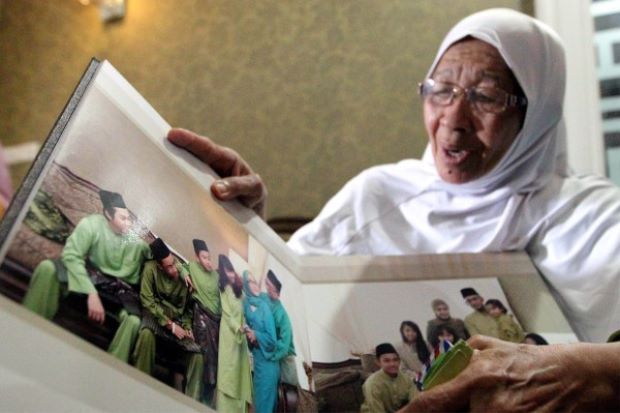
{"type": "Point", "coordinates": [206, 324]}
{"type": "Point", "coordinates": [94, 260]}
{"type": "Point", "coordinates": [481, 322]}
{"type": "Point", "coordinates": [383, 393]}
{"type": "Point", "coordinates": [163, 299]}
{"type": "Point", "coordinates": [234, 378]}
{"type": "Point", "coordinates": [509, 330]}
{"type": "Point", "coordinates": [285, 349]}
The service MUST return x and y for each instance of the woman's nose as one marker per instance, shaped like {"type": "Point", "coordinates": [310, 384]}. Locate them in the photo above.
{"type": "Point", "coordinates": [458, 114]}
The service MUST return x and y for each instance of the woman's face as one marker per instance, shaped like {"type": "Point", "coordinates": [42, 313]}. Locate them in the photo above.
{"type": "Point", "coordinates": [253, 285]}
{"type": "Point", "coordinates": [493, 310]}
{"type": "Point", "coordinates": [410, 334]}
{"type": "Point", "coordinates": [467, 143]}
{"type": "Point", "coordinates": [205, 260]}
{"type": "Point", "coordinates": [442, 312]}
{"type": "Point", "coordinates": [231, 276]}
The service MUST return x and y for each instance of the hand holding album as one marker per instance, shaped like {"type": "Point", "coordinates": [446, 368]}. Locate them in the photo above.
{"type": "Point", "coordinates": [448, 365]}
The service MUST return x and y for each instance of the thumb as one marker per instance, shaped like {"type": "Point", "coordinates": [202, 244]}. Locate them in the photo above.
{"type": "Point", "coordinates": [480, 342]}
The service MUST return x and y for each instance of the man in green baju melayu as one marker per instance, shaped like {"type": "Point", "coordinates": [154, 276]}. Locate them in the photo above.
{"type": "Point", "coordinates": [167, 315]}
{"type": "Point", "coordinates": [207, 314]}
{"type": "Point", "coordinates": [285, 349]}
{"type": "Point", "coordinates": [479, 321]}
{"type": "Point", "coordinates": [387, 389]}
{"type": "Point", "coordinates": [101, 258]}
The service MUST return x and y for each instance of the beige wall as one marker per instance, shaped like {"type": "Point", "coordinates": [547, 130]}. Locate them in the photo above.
{"type": "Point", "coordinates": [310, 92]}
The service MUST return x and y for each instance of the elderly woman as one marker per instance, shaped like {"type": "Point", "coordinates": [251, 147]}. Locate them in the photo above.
{"type": "Point", "coordinates": [494, 178]}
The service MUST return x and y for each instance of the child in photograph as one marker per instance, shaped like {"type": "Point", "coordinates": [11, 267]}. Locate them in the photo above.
{"type": "Point", "coordinates": [446, 333]}
{"type": "Point", "coordinates": [101, 256]}
{"type": "Point", "coordinates": [207, 314]}
{"type": "Point", "coordinates": [412, 350]}
{"type": "Point", "coordinates": [168, 316]}
{"type": "Point", "coordinates": [234, 378]}
{"type": "Point", "coordinates": [535, 339]}
{"type": "Point", "coordinates": [261, 335]}
{"type": "Point", "coordinates": [508, 329]}
{"type": "Point", "coordinates": [387, 389]}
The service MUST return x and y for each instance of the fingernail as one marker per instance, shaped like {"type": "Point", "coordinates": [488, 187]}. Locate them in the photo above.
{"type": "Point", "coordinates": [222, 187]}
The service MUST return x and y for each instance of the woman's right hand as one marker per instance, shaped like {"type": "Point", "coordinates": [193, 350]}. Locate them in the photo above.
{"type": "Point", "coordinates": [238, 180]}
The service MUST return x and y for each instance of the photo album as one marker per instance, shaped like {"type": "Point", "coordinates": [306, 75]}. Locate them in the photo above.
{"type": "Point", "coordinates": [114, 236]}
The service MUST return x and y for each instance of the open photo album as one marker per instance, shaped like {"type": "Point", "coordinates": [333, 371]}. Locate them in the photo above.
{"type": "Point", "coordinates": [115, 236]}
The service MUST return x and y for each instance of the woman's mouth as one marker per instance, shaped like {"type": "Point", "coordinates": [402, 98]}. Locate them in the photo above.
{"type": "Point", "coordinates": [456, 155]}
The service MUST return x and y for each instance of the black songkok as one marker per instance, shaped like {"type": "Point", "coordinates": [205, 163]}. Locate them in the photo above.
{"type": "Point", "coordinates": [159, 249]}
{"type": "Point", "coordinates": [111, 200]}
{"type": "Point", "coordinates": [384, 348]}
{"type": "Point", "coordinates": [274, 280]}
{"type": "Point", "coordinates": [199, 245]}
{"type": "Point", "coordinates": [466, 292]}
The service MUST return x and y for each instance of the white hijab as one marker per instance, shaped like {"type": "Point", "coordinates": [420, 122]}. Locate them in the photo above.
{"type": "Point", "coordinates": [535, 55]}
{"type": "Point", "coordinates": [570, 225]}
{"type": "Point", "coordinates": [486, 214]}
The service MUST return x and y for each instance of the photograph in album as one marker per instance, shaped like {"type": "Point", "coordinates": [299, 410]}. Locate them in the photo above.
{"type": "Point", "coordinates": [115, 237]}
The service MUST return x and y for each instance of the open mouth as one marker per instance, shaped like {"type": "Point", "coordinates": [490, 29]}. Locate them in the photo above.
{"type": "Point", "coordinates": [456, 155]}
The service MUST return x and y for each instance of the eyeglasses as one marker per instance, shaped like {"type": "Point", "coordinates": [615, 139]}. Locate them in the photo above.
{"type": "Point", "coordinates": [484, 99]}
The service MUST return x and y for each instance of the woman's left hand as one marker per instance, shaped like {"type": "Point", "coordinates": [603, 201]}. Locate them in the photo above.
{"type": "Point", "coordinates": [238, 180]}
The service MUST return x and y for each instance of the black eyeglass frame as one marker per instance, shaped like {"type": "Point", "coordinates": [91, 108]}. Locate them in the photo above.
{"type": "Point", "coordinates": [511, 100]}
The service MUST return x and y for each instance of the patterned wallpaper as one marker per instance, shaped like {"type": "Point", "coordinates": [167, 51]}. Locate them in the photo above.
{"type": "Point", "coordinates": [309, 91]}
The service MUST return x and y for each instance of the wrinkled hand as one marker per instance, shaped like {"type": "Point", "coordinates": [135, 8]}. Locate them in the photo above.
{"type": "Point", "coordinates": [238, 181]}
{"type": "Point", "coordinates": [507, 377]}
{"type": "Point", "coordinates": [96, 312]}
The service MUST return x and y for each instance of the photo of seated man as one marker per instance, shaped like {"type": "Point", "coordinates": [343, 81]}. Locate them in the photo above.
{"type": "Point", "coordinates": [207, 314]}
{"type": "Point", "coordinates": [443, 318]}
{"type": "Point", "coordinates": [167, 315]}
{"type": "Point", "coordinates": [285, 349]}
{"type": "Point", "coordinates": [387, 389]}
{"type": "Point", "coordinates": [478, 321]}
{"type": "Point", "coordinates": [101, 259]}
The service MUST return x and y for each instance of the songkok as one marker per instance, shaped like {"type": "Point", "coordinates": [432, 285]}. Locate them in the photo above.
{"type": "Point", "coordinates": [159, 249]}
{"type": "Point", "coordinates": [199, 245]}
{"type": "Point", "coordinates": [274, 280]}
{"type": "Point", "coordinates": [466, 292]}
{"type": "Point", "coordinates": [437, 302]}
{"type": "Point", "coordinates": [384, 348]}
{"type": "Point", "coordinates": [111, 199]}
